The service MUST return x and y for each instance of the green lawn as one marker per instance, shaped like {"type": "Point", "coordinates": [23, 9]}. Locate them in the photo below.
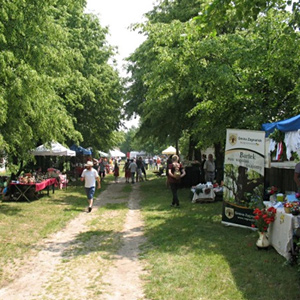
{"type": "Point", "coordinates": [191, 255]}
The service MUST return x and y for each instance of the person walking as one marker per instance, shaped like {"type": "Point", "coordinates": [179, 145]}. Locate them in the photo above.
{"type": "Point", "coordinates": [175, 172]}
{"type": "Point", "coordinates": [139, 174]}
{"type": "Point", "coordinates": [102, 165]}
{"type": "Point", "coordinates": [116, 171]}
{"type": "Point", "coordinates": [133, 169]}
{"type": "Point", "coordinates": [90, 176]}
{"type": "Point", "coordinates": [127, 171]}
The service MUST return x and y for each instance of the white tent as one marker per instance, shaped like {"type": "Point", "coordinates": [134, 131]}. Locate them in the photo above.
{"type": "Point", "coordinates": [103, 154]}
{"type": "Point", "coordinates": [55, 149]}
{"type": "Point", "coordinates": [116, 153]}
{"type": "Point", "coordinates": [170, 150]}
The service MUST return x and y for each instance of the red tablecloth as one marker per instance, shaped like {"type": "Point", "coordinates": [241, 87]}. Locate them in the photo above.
{"type": "Point", "coordinates": [40, 185]}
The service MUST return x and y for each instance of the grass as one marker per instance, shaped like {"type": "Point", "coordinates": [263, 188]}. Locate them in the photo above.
{"type": "Point", "coordinates": [23, 224]}
{"type": "Point", "coordinates": [191, 255]}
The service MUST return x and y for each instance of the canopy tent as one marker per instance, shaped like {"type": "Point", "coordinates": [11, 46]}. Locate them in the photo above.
{"type": "Point", "coordinates": [291, 124]}
{"type": "Point", "coordinates": [54, 149]}
{"type": "Point", "coordinates": [103, 154]}
{"type": "Point", "coordinates": [116, 153]}
{"type": "Point", "coordinates": [81, 150]}
{"type": "Point", "coordinates": [170, 150]}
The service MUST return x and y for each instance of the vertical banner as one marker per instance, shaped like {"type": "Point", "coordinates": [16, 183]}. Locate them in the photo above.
{"type": "Point", "coordinates": [243, 175]}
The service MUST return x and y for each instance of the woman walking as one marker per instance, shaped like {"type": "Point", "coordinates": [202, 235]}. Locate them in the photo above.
{"type": "Point", "coordinates": [175, 172]}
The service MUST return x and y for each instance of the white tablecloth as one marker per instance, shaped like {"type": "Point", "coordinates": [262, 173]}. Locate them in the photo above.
{"type": "Point", "coordinates": [203, 196]}
{"type": "Point", "coordinates": [280, 232]}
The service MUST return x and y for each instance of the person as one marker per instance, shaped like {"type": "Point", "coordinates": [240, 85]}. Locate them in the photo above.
{"type": "Point", "coordinates": [202, 172]}
{"type": "Point", "coordinates": [297, 176]}
{"type": "Point", "coordinates": [116, 171]}
{"type": "Point", "coordinates": [144, 169]}
{"type": "Point", "coordinates": [102, 165]}
{"type": "Point", "coordinates": [90, 176]}
{"type": "Point", "coordinates": [127, 171]}
{"type": "Point", "coordinates": [133, 168]}
{"type": "Point", "coordinates": [175, 173]}
{"type": "Point", "coordinates": [139, 175]}
{"type": "Point", "coordinates": [209, 169]}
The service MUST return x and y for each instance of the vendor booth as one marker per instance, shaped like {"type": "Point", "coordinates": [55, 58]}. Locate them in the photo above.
{"type": "Point", "coordinates": [80, 150]}
{"type": "Point", "coordinates": [103, 154]}
{"type": "Point", "coordinates": [54, 149]}
{"type": "Point", "coordinates": [116, 153]}
{"type": "Point", "coordinates": [169, 151]}
{"type": "Point", "coordinates": [280, 172]}
{"type": "Point", "coordinates": [254, 162]}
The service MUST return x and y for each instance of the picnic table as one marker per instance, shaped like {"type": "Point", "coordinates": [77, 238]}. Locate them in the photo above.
{"type": "Point", "coordinates": [29, 191]}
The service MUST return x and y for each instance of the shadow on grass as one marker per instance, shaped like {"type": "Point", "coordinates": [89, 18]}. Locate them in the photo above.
{"type": "Point", "coordinates": [195, 230]}
{"type": "Point", "coordinates": [8, 210]}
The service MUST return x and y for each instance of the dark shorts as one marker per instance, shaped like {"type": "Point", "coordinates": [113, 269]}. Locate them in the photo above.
{"type": "Point", "coordinates": [90, 192]}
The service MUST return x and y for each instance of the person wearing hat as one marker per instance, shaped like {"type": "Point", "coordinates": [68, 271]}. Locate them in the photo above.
{"type": "Point", "coordinates": [90, 176]}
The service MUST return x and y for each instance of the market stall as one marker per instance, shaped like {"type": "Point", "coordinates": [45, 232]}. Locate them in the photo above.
{"type": "Point", "coordinates": [284, 144]}
{"type": "Point", "coordinates": [283, 149]}
{"type": "Point", "coordinates": [29, 190]}
{"type": "Point", "coordinates": [54, 149]}
{"type": "Point", "coordinates": [80, 150]}
{"type": "Point", "coordinates": [281, 231]}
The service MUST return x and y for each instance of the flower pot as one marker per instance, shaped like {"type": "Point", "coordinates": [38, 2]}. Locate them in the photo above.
{"type": "Point", "coordinates": [287, 210]}
{"type": "Point", "coordinates": [262, 242]}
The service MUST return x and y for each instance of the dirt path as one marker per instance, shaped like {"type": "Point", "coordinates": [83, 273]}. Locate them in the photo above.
{"type": "Point", "coordinates": [48, 276]}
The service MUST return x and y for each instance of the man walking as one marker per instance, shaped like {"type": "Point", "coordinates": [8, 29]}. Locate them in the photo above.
{"type": "Point", "coordinates": [133, 168]}
{"type": "Point", "coordinates": [90, 176]}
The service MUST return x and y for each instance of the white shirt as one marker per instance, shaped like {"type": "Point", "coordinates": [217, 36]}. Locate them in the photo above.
{"type": "Point", "coordinates": [209, 166]}
{"type": "Point", "coordinates": [89, 177]}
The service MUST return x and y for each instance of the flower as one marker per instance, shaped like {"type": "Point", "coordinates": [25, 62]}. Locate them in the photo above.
{"type": "Point", "coordinates": [263, 217]}
{"type": "Point", "coordinates": [288, 204]}
{"type": "Point", "coordinates": [272, 190]}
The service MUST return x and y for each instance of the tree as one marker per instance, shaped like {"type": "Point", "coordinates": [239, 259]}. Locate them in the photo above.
{"type": "Point", "coordinates": [233, 72]}
{"type": "Point", "coordinates": [55, 80]}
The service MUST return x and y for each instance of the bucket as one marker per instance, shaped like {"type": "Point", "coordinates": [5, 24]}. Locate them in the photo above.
{"type": "Point", "coordinates": [280, 197]}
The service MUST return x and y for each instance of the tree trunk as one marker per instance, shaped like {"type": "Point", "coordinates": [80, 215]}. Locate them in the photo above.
{"type": "Point", "coordinates": [194, 153]}
{"type": "Point", "coordinates": [219, 154]}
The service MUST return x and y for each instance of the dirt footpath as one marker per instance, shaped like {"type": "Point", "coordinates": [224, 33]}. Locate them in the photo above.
{"type": "Point", "coordinates": [48, 275]}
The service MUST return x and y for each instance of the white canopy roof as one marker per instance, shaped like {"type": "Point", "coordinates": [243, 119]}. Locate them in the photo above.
{"type": "Point", "coordinates": [116, 153]}
{"type": "Point", "coordinates": [103, 154]}
{"type": "Point", "coordinates": [55, 149]}
{"type": "Point", "coordinates": [170, 150]}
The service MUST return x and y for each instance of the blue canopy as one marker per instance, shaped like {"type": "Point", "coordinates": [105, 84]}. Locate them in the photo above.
{"type": "Point", "coordinates": [291, 124]}
{"type": "Point", "coordinates": [81, 150]}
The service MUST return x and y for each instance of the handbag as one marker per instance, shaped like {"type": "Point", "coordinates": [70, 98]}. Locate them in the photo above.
{"type": "Point", "coordinates": [176, 172]}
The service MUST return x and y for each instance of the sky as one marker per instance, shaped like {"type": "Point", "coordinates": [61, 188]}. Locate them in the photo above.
{"type": "Point", "coordinates": [118, 15]}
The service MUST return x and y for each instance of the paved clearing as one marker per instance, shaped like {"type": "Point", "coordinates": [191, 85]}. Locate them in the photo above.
{"type": "Point", "coordinates": [53, 274]}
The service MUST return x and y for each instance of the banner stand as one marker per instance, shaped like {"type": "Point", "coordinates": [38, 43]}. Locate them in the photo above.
{"type": "Point", "coordinates": [243, 176]}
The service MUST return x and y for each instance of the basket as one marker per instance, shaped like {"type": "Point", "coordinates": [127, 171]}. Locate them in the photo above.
{"type": "Point", "coordinates": [287, 210]}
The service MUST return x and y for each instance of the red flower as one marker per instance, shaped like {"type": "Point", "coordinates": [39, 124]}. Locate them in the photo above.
{"type": "Point", "coordinates": [263, 217]}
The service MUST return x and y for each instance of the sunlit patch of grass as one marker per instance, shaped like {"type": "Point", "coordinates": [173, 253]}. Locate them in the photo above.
{"type": "Point", "coordinates": [190, 255]}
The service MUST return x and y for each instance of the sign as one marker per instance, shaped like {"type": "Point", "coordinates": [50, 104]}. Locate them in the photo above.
{"type": "Point", "coordinates": [243, 175]}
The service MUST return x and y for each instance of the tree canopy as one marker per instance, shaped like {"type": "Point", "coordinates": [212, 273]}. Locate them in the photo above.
{"type": "Point", "coordinates": [55, 79]}
{"type": "Point", "coordinates": [233, 64]}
